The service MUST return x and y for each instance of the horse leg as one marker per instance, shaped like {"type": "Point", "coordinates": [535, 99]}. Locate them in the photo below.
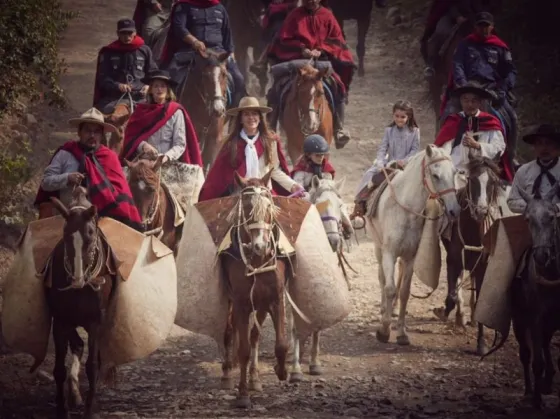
{"type": "Point", "coordinates": [278, 314]}
{"type": "Point", "coordinates": [460, 314]}
{"type": "Point", "coordinates": [538, 363]}
{"type": "Point", "coordinates": [241, 319]}
{"type": "Point", "coordinates": [453, 273]}
{"type": "Point", "coordinates": [73, 382]}
{"type": "Point", "coordinates": [254, 380]}
{"type": "Point", "coordinates": [522, 336]}
{"type": "Point", "coordinates": [404, 295]}
{"type": "Point", "coordinates": [315, 367]}
{"type": "Point", "coordinates": [60, 337]}
{"type": "Point", "coordinates": [400, 273]}
{"type": "Point", "coordinates": [227, 365]}
{"type": "Point", "coordinates": [388, 266]}
{"type": "Point", "coordinates": [92, 371]}
{"type": "Point", "coordinates": [381, 276]}
{"type": "Point", "coordinates": [549, 366]}
{"type": "Point", "coordinates": [363, 27]}
{"type": "Point", "coordinates": [296, 375]}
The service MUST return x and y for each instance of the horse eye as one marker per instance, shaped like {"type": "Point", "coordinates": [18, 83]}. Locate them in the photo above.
{"type": "Point", "coordinates": [436, 177]}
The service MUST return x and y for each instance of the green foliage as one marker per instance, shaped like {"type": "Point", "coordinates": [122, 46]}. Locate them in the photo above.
{"type": "Point", "coordinates": [14, 169]}
{"type": "Point", "coordinates": [29, 64]}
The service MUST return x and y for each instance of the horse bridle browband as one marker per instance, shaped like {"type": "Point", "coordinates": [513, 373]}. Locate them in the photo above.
{"type": "Point", "coordinates": [434, 194]}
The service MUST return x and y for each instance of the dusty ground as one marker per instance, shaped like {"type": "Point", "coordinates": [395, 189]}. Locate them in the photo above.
{"type": "Point", "coordinates": [435, 377]}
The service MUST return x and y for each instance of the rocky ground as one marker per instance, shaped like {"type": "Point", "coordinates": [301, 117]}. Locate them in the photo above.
{"type": "Point", "coordinates": [436, 377]}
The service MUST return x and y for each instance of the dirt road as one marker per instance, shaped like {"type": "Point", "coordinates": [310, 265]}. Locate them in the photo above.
{"type": "Point", "coordinates": [435, 377]}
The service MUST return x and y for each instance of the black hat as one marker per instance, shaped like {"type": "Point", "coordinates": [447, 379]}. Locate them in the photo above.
{"type": "Point", "coordinates": [484, 18]}
{"type": "Point", "coordinates": [158, 75]}
{"type": "Point", "coordinates": [473, 87]}
{"type": "Point", "coordinates": [543, 130]}
{"type": "Point", "coordinates": [126, 25]}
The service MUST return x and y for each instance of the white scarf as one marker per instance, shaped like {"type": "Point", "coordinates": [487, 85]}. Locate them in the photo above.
{"type": "Point", "coordinates": [251, 156]}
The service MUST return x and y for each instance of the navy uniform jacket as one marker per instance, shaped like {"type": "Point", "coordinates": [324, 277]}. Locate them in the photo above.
{"type": "Point", "coordinates": [209, 25]}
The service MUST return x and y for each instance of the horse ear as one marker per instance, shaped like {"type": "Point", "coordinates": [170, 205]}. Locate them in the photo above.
{"type": "Point", "coordinates": [302, 71]}
{"type": "Point", "coordinates": [430, 150]}
{"type": "Point", "coordinates": [315, 182]}
{"type": "Point", "coordinates": [60, 207]}
{"type": "Point", "coordinates": [322, 73]}
{"type": "Point", "coordinates": [340, 184]}
{"type": "Point", "coordinates": [91, 212]}
{"type": "Point", "coordinates": [238, 179]}
{"type": "Point", "coordinates": [266, 178]}
{"type": "Point", "coordinates": [552, 193]}
{"type": "Point", "coordinates": [223, 56]}
{"type": "Point", "coordinates": [158, 162]}
{"type": "Point", "coordinates": [127, 163]}
{"type": "Point", "coordinates": [527, 197]}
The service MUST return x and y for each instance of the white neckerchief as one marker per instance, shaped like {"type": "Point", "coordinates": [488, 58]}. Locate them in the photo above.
{"type": "Point", "coordinates": [251, 156]}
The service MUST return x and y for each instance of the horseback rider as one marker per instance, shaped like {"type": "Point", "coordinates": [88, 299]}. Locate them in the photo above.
{"type": "Point", "coordinates": [312, 32]}
{"type": "Point", "coordinates": [150, 15]}
{"type": "Point", "coordinates": [538, 176]}
{"type": "Point", "coordinates": [121, 66]}
{"type": "Point", "coordinates": [161, 126]}
{"type": "Point", "coordinates": [197, 26]}
{"type": "Point", "coordinates": [443, 17]}
{"type": "Point", "coordinates": [474, 131]}
{"type": "Point", "coordinates": [251, 150]}
{"type": "Point", "coordinates": [90, 164]}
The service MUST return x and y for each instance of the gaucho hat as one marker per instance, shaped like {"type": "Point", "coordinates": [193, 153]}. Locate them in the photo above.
{"type": "Point", "coordinates": [159, 75]}
{"type": "Point", "coordinates": [475, 88]}
{"type": "Point", "coordinates": [542, 130]}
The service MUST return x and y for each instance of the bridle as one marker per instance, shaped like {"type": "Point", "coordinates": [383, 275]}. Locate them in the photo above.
{"type": "Point", "coordinates": [319, 111]}
{"type": "Point", "coordinates": [429, 186]}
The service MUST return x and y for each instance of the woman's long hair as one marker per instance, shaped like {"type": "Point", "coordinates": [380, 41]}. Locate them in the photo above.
{"type": "Point", "coordinates": [267, 136]}
{"type": "Point", "coordinates": [170, 96]}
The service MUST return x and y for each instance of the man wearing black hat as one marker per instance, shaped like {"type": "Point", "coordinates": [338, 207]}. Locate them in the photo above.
{"type": "Point", "coordinates": [121, 66]}
{"type": "Point", "coordinates": [538, 176]}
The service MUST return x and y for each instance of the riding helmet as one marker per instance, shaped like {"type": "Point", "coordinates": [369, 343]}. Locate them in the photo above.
{"type": "Point", "coordinates": [315, 143]}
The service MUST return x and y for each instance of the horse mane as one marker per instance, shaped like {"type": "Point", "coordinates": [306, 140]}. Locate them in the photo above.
{"type": "Point", "coordinates": [478, 163]}
{"type": "Point", "coordinates": [325, 185]}
{"type": "Point", "coordinates": [144, 172]}
{"type": "Point", "coordinates": [261, 206]}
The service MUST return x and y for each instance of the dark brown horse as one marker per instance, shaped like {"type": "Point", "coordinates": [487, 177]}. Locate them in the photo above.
{"type": "Point", "coordinates": [152, 200]}
{"type": "Point", "coordinates": [204, 96]}
{"type": "Point", "coordinates": [119, 119]}
{"type": "Point", "coordinates": [256, 279]}
{"type": "Point", "coordinates": [80, 285]}
{"type": "Point", "coordinates": [359, 11]}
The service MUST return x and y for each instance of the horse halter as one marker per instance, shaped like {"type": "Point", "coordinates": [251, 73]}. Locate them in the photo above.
{"type": "Point", "coordinates": [432, 191]}
{"type": "Point", "coordinates": [319, 111]}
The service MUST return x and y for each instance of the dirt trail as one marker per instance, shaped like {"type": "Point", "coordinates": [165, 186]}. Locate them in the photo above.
{"type": "Point", "coordinates": [434, 377]}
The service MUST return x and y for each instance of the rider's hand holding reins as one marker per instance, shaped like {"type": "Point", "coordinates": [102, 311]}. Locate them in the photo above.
{"type": "Point", "coordinates": [470, 142]}
{"type": "Point", "coordinates": [157, 7]}
{"type": "Point", "coordinates": [125, 88]}
{"type": "Point", "coordinates": [144, 90]}
{"type": "Point", "coordinates": [75, 178]}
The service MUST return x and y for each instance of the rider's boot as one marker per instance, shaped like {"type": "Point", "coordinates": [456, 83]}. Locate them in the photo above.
{"type": "Point", "coordinates": [341, 136]}
{"type": "Point", "coordinates": [272, 102]}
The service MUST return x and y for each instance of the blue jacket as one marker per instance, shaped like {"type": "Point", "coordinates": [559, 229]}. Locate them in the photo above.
{"type": "Point", "coordinates": [483, 62]}
{"type": "Point", "coordinates": [209, 25]}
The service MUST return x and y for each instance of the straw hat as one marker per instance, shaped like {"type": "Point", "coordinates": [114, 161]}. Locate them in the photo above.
{"type": "Point", "coordinates": [248, 103]}
{"type": "Point", "coordinates": [92, 116]}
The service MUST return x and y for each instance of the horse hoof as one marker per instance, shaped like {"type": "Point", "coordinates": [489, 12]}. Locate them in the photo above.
{"type": "Point", "coordinates": [403, 340]}
{"type": "Point", "coordinates": [296, 377]}
{"type": "Point", "coordinates": [255, 385]}
{"type": "Point", "coordinates": [227, 383]}
{"type": "Point", "coordinates": [440, 314]}
{"type": "Point", "coordinates": [382, 337]}
{"type": "Point", "coordinates": [243, 402]}
{"type": "Point", "coordinates": [315, 370]}
{"type": "Point", "coordinates": [281, 372]}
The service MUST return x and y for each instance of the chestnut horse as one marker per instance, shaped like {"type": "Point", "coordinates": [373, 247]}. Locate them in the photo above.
{"type": "Point", "coordinates": [306, 110]}
{"type": "Point", "coordinates": [256, 281]}
{"type": "Point", "coordinates": [119, 119]}
{"type": "Point", "coordinates": [81, 287]}
{"type": "Point", "coordinates": [152, 200]}
{"type": "Point", "coordinates": [204, 96]}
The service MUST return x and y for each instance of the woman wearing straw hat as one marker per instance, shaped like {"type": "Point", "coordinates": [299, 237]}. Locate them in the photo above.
{"type": "Point", "coordinates": [88, 163]}
{"type": "Point", "coordinates": [252, 150]}
{"type": "Point", "coordinates": [161, 126]}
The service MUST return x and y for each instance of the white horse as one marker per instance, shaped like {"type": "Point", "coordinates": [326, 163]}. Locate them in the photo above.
{"type": "Point", "coordinates": [397, 225]}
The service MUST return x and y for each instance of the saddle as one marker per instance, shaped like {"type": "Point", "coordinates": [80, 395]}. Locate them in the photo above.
{"type": "Point", "coordinates": [368, 197]}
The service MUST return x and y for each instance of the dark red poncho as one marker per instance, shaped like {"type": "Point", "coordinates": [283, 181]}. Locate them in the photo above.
{"type": "Point", "coordinates": [456, 125]}
{"type": "Point", "coordinates": [221, 174]}
{"type": "Point", "coordinates": [117, 45]}
{"type": "Point", "coordinates": [172, 44]}
{"type": "Point", "coordinates": [314, 30]}
{"type": "Point", "coordinates": [147, 118]}
{"type": "Point", "coordinates": [107, 187]}
{"type": "Point", "coordinates": [303, 165]}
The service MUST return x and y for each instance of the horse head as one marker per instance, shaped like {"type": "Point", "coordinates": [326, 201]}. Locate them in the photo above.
{"type": "Point", "coordinates": [256, 214]}
{"type": "Point", "coordinates": [326, 195]}
{"type": "Point", "coordinates": [144, 181]}
{"type": "Point", "coordinates": [438, 173]}
{"type": "Point", "coordinates": [212, 86]}
{"type": "Point", "coordinates": [542, 216]}
{"type": "Point", "coordinates": [80, 238]}
{"type": "Point", "coordinates": [309, 96]}
{"type": "Point", "coordinates": [483, 183]}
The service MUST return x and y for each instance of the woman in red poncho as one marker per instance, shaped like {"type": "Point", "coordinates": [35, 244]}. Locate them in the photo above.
{"type": "Point", "coordinates": [161, 126]}
{"type": "Point", "coordinates": [252, 150]}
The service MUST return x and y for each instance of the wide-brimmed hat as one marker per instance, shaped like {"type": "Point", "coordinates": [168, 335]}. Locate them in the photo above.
{"type": "Point", "coordinates": [249, 103]}
{"type": "Point", "coordinates": [159, 75]}
{"type": "Point", "coordinates": [92, 116]}
{"type": "Point", "coordinates": [475, 88]}
{"type": "Point", "coordinates": [542, 130]}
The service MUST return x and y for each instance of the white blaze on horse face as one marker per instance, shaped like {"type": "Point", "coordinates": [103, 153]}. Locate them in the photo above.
{"type": "Point", "coordinates": [313, 116]}
{"type": "Point", "coordinates": [78, 242]}
{"type": "Point", "coordinates": [219, 106]}
{"type": "Point", "coordinates": [141, 185]}
{"type": "Point", "coordinates": [482, 202]}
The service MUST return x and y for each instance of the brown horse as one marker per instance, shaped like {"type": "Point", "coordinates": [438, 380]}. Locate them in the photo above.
{"type": "Point", "coordinates": [152, 201]}
{"type": "Point", "coordinates": [256, 279]}
{"type": "Point", "coordinates": [119, 119]}
{"type": "Point", "coordinates": [204, 96]}
{"type": "Point", "coordinates": [359, 11]}
{"type": "Point", "coordinates": [306, 110]}
{"type": "Point", "coordinates": [81, 287]}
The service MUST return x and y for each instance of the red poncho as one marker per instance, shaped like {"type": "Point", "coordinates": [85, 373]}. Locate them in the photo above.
{"type": "Point", "coordinates": [172, 44]}
{"type": "Point", "coordinates": [303, 165]}
{"type": "Point", "coordinates": [147, 119]}
{"type": "Point", "coordinates": [314, 30]}
{"type": "Point", "coordinates": [221, 174]}
{"type": "Point", "coordinates": [455, 126]}
{"type": "Point", "coordinates": [107, 187]}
